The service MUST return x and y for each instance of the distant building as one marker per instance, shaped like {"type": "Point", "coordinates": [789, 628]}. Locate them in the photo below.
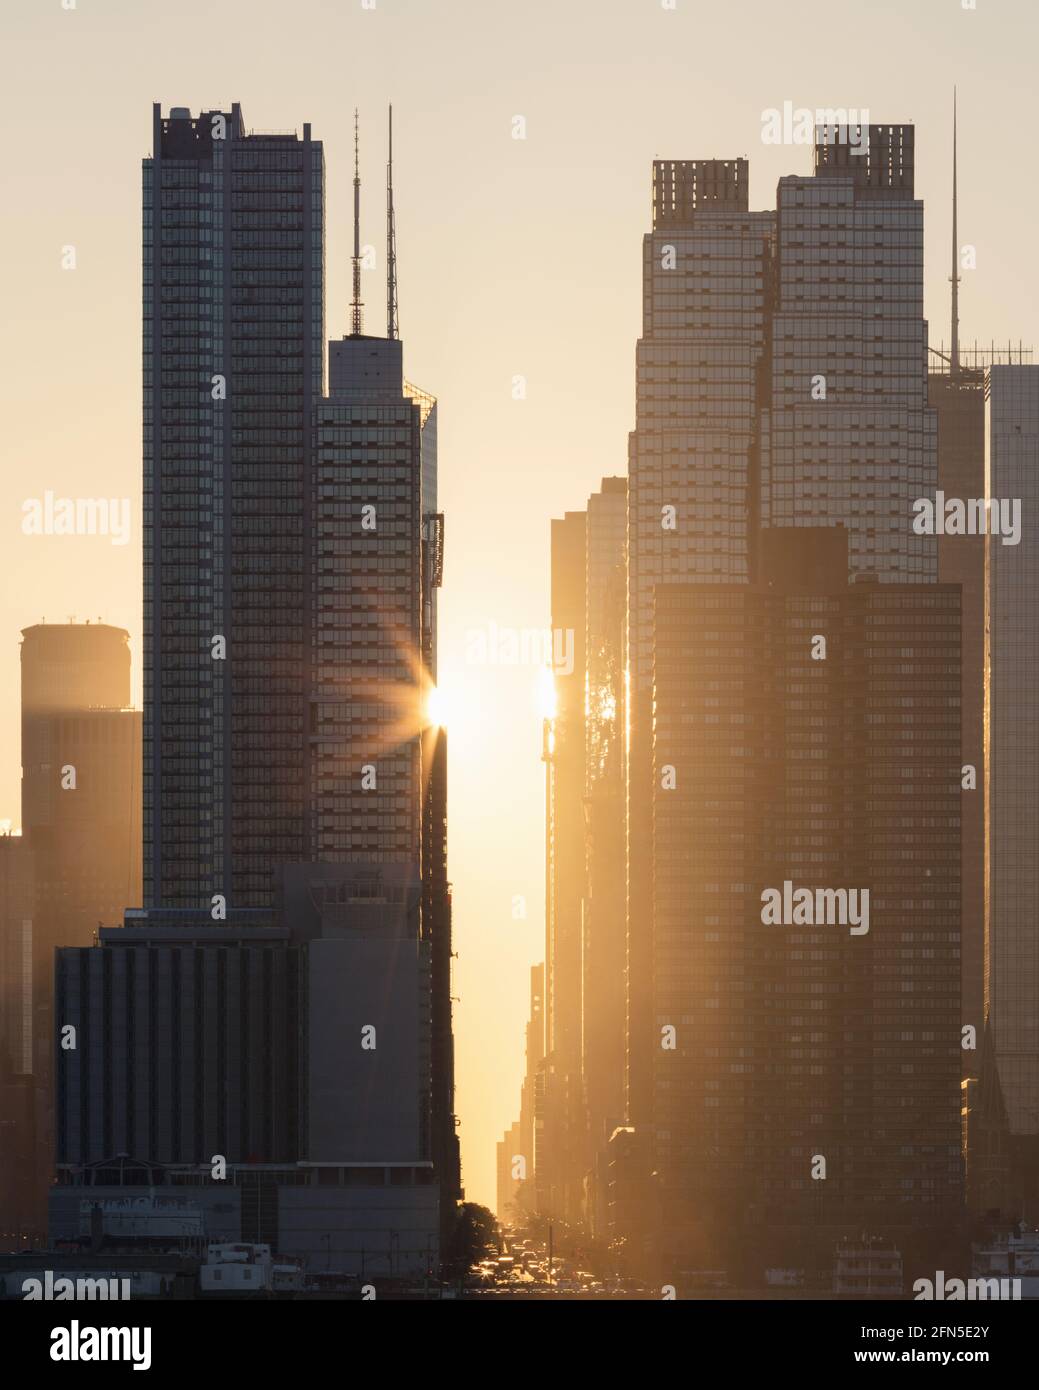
{"type": "Point", "coordinates": [24, 1100]}
{"type": "Point", "coordinates": [520, 1155]}
{"type": "Point", "coordinates": [76, 866]}
{"type": "Point", "coordinates": [563, 1157]}
{"type": "Point", "coordinates": [867, 1267]}
{"type": "Point", "coordinates": [509, 1150]}
{"type": "Point", "coordinates": [1012, 961]}
{"type": "Point", "coordinates": [603, 939]}
{"type": "Point", "coordinates": [585, 939]}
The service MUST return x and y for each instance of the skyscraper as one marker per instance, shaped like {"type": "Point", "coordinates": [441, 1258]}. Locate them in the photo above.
{"type": "Point", "coordinates": [299, 942]}
{"type": "Point", "coordinates": [810, 1085]}
{"type": "Point", "coordinates": [562, 1157]}
{"type": "Point", "coordinates": [776, 737]}
{"type": "Point", "coordinates": [1012, 955]}
{"type": "Point", "coordinates": [584, 754]}
{"type": "Point", "coordinates": [957, 392]}
{"type": "Point", "coordinates": [603, 920]}
{"type": "Point", "coordinates": [958, 397]}
{"type": "Point", "coordinates": [694, 463]}
{"type": "Point", "coordinates": [233, 365]}
{"type": "Point", "coordinates": [852, 439]}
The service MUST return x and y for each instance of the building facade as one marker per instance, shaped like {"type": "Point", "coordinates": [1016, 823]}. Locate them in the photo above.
{"type": "Point", "coordinates": [694, 462]}
{"type": "Point", "coordinates": [958, 396]}
{"type": "Point", "coordinates": [806, 1079]}
{"type": "Point", "coordinates": [1012, 957]}
{"type": "Point", "coordinates": [782, 389]}
{"type": "Point", "coordinates": [233, 233]}
{"type": "Point", "coordinates": [75, 867]}
{"type": "Point", "coordinates": [295, 934]}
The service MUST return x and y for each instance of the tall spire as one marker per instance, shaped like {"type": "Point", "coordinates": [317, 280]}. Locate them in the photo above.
{"type": "Point", "coordinates": [954, 351]}
{"type": "Point", "coordinates": [356, 306]}
{"type": "Point", "coordinates": [391, 247]}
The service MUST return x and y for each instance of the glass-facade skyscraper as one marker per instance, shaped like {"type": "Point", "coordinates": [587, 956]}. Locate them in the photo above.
{"type": "Point", "coordinates": [282, 998]}
{"type": "Point", "coordinates": [233, 236]}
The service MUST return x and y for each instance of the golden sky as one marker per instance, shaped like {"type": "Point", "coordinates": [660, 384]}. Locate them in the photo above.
{"type": "Point", "coordinates": [517, 258]}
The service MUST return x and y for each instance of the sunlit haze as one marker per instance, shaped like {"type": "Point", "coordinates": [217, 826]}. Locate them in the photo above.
{"type": "Point", "coordinates": [517, 259]}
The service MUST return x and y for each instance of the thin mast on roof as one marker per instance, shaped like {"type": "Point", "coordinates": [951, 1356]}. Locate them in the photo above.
{"type": "Point", "coordinates": [391, 247]}
{"type": "Point", "coordinates": [954, 355]}
{"type": "Point", "coordinates": [356, 306]}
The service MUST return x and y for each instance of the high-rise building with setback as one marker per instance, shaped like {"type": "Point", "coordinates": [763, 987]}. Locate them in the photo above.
{"type": "Point", "coordinates": [782, 386]}
{"type": "Point", "coordinates": [293, 950]}
{"type": "Point", "coordinates": [1012, 947]}
{"type": "Point", "coordinates": [694, 464]}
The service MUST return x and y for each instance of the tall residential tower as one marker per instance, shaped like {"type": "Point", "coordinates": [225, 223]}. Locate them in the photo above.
{"type": "Point", "coordinates": [285, 987]}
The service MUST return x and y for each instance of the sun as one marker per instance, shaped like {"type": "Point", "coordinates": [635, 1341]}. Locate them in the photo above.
{"type": "Point", "coordinates": [437, 705]}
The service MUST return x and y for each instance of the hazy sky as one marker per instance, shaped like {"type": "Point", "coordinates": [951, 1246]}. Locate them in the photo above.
{"type": "Point", "coordinates": [517, 258]}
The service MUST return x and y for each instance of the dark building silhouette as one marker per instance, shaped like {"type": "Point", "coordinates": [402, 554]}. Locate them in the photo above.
{"type": "Point", "coordinates": [518, 1189]}
{"type": "Point", "coordinates": [827, 767]}
{"type": "Point", "coordinates": [295, 936]}
{"type": "Point", "coordinates": [234, 302]}
{"type": "Point", "coordinates": [76, 866]}
{"type": "Point", "coordinates": [24, 1101]}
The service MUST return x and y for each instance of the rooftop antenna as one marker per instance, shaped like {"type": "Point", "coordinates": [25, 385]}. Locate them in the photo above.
{"type": "Point", "coordinates": [391, 247]}
{"type": "Point", "coordinates": [356, 306]}
{"type": "Point", "coordinates": [954, 355]}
